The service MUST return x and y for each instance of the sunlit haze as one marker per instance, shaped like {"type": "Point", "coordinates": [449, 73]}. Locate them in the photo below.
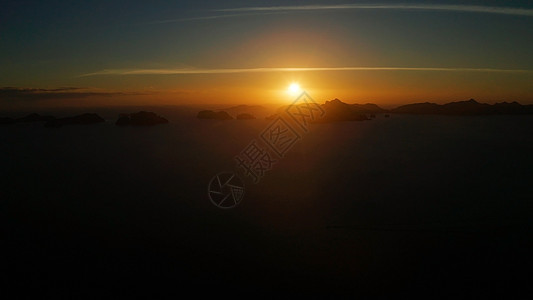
{"type": "Point", "coordinates": [247, 52]}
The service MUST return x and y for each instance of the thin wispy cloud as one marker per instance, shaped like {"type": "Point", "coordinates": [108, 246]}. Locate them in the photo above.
{"type": "Point", "coordinates": [422, 7]}
{"type": "Point", "coordinates": [275, 10]}
{"type": "Point", "coordinates": [242, 14]}
{"type": "Point", "coordinates": [187, 71]}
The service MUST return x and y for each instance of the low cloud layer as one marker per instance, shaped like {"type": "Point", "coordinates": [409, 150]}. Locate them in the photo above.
{"type": "Point", "coordinates": [35, 94]}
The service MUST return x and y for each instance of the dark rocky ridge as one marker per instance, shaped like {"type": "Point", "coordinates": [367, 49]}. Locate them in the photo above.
{"type": "Point", "coordinates": [338, 111]}
{"type": "Point", "coordinates": [368, 108]}
{"type": "Point", "coordinates": [6, 120]}
{"type": "Point", "coordinates": [87, 118]}
{"type": "Point", "coordinates": [245, 116]}
{"type": "Point", "coordinates": [34, 117]}
{"type": "Point", "coordinates": [211, 115]}
{"type": "Point", "coordinates": [142, 118]}
{"type": "Point", "coordinates": [469, 107]}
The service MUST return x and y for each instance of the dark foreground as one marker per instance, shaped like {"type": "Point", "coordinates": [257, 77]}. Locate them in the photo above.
{"type": "Point", "coordinates": [427, 205]}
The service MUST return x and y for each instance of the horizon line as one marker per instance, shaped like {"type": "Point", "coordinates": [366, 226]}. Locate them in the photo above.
{"type": "Point", "coordinates": [192, 71]}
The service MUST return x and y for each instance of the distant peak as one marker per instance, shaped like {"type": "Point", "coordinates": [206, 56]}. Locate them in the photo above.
{"type": "Point", "coordinates": [335, 101]}
{"type": "Point", "coordinates": [243, 106]}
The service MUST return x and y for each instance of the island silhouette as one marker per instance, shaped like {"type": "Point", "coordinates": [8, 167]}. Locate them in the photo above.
{"type": "Point", "coordinates": [142, 118]}
{"type": "Point", "coordinates": [335, 111]}
{"type": "Point", "coordinates": [465, 108]}
{"type": "Point", "coordinates": [339, 111]}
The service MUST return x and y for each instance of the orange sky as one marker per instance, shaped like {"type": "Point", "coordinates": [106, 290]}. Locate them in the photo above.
{"type": "Point", "coordinates": [388, 88]}
{"type": "Point", "coordinates": [182, 54]}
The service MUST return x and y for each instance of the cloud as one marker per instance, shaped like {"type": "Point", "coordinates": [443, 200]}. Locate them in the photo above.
{"type": "Point", "coordinates": [271, 10]}
{"type": "Point", "coordinates": [34, 94]}
{"type": "Point", "coordinates": [189, 71]}
{"type": "Point", "coordinates": [409, 7]}
{"type": "Point", "coordinates": [242, 14]}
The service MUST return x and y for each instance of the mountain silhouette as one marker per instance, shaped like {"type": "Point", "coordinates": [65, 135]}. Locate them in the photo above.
{"type": "Point", "coordinates": [368, 108]}
{"type": "Point", "coordinates": [469, 107]}
{"type": "Point", "coordinates": [142, 118]}
{"type": "Point", "coordinates": [244, 107]}
{"type": "Point", "coordinates": [211, 115]}
{"type": "Point", "coordinates": [34, 118]}
{"type": "Point", "coordinates": [336, 110]}
{"type": "Point", "coordinates": [6, 120]}
{"type": "Point", "coordinates": [256, 110]}
{"type": "Point", "coordinates": [245, 116]}
{"type": "Point", "coordinates": [87, 118]}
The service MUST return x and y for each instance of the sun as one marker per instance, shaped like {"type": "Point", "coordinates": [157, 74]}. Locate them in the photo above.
{"type": "Point", "coordinates": [294, 88]}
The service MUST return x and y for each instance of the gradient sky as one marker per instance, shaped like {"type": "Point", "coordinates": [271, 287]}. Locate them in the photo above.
{"type": "Point", "coordinates": [227, 52]}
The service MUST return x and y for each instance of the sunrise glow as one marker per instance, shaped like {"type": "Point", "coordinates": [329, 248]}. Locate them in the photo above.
{"type": "Point", "coordinates": [294, 89]}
